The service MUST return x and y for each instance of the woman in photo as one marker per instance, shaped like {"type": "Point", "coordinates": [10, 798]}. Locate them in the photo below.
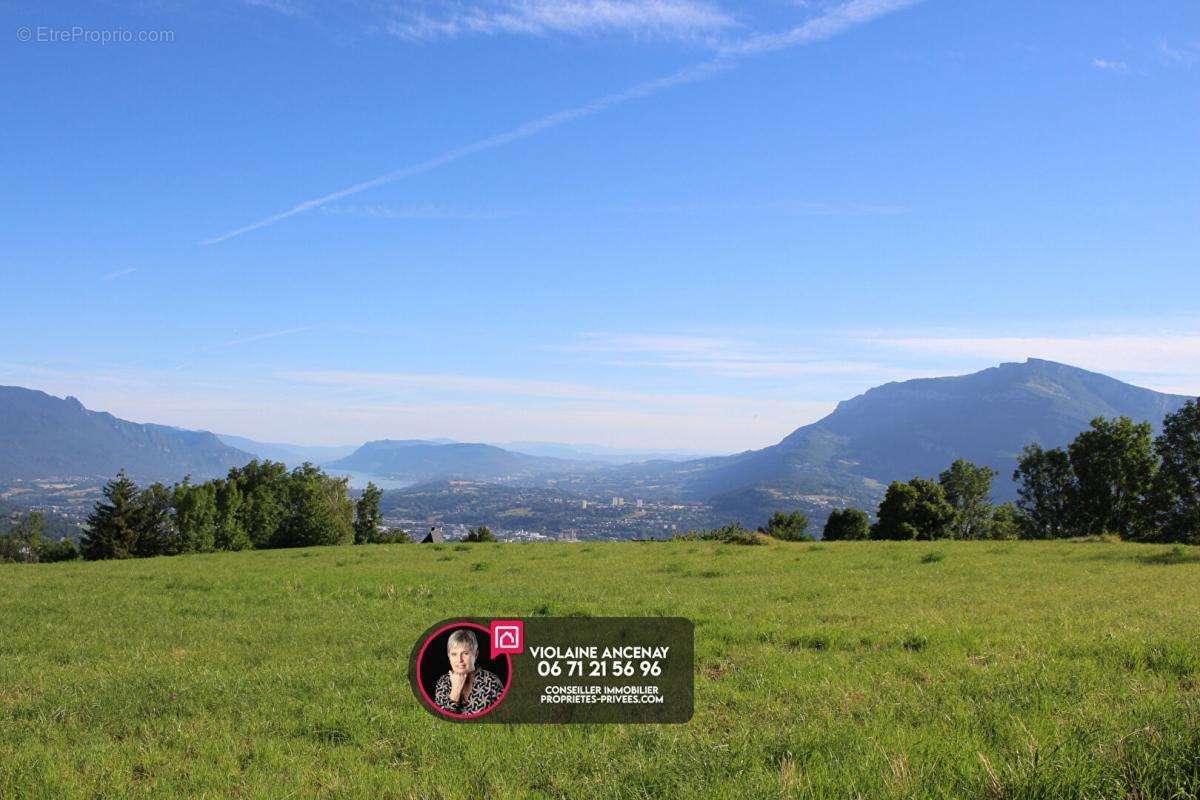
{"type": "Point", "coordinates": [465, 689]}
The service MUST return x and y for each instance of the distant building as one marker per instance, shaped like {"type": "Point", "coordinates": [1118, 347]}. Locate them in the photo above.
{"type": "Point", "coordinates": [433, 537]}
{"type": "Point", "coordinates": [583, 505]}
{"type": "Point", "coordinates": [639, 502]}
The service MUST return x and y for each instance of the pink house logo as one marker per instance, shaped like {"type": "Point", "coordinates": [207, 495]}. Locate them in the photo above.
{"type": "Point", "coordinates": [508, 636]}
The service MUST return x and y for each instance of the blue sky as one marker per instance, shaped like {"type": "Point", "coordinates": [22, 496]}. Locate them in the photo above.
{"type": "Point", "coordinates": [640, 223]}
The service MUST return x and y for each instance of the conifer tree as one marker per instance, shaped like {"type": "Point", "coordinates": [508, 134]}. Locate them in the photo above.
{"type": "Point", "coordinates": [112, 527]}
{"type": "Point", "coordinates": [154, 523]}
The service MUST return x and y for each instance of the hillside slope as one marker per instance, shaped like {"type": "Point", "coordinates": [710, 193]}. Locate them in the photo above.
{"type": "Point", "coordinates": [915, 427]}
{"type": "Point", "coordinates": [42, 436]}
{"type": "Point", "coordinates": [418, 460]}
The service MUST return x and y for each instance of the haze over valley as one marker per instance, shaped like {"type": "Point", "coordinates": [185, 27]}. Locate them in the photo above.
{"type": "Point", "coordinates": [54, 454]}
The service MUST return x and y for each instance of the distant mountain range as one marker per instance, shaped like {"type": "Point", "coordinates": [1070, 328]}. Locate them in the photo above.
{"type": "Point", "coordinates": [291, 454]}
{"type": "Point", "coordinates": [42, 436]}
{"type": "Point", "coordinates": [418, 460]}
{"type": "Point", "coordinates": [895, 431]}
{"type": "Point", "coordinates": [599, 453]}
{"type": "Point", "coordinates": [295, 454]}
{"type": "Point", "coordinates": [911, 428]}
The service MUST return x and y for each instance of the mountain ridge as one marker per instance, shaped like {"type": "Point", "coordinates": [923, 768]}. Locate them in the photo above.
{"type": "Point", "coordinates": [419, 461]}
{"type": "Point", "coordinates": [903, 429]}
{"type": "Point", "coordinates": [43, 436]}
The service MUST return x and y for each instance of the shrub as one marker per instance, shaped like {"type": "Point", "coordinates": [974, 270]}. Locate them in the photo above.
{"type": "Point", "coordinates": [847, 524]}
{"type": "Point", "coordinates": [791, 527]}
{"type": "Point", "coordinates": [729, 534]}
{"type": "Point", "coordinates": [62, 550]}
{"type": "Point", "coordinates": [481, 534]}
{"type": "Point", "coordinates": [391, 536]}
{"type": "Point", "coordinates": [1006, 522]}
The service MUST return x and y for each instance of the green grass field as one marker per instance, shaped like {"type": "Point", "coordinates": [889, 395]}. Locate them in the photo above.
{"type": "Point", "coordinates": [973, 669]}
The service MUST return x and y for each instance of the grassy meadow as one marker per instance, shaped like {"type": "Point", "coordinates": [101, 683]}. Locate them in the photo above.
{"type": "Point", "coordinates": [877, 670]}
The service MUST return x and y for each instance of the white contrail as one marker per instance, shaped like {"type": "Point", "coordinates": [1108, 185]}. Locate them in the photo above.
{"type": "Point", "coordinates": [258, 337]}
{"type": "Point", "coordinates": [829, 24]}
{"type": "Point", "coordinates": [687, 75]}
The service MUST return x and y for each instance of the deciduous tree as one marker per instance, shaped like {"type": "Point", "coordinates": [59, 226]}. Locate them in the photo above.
{"type": "Point", "coordinates": [1175, 499]}
{"type": "Point", "coordinates": [968, 489]}
{"type": "Point", "coordinates": [367, 516]}
{"type": "Point", "coordinates": [23, 542]}
{"type": "Point", "coordinates": [914, 510]}
{"type": "Point", "coordinates": [1046, 487]}
{"type": "Point", "coordinates": [1114, 465]}
{"type": "Point", "coordinates": [195, 507]}
{"type": "Point", "coordinates": [318, 510]}
{"type": "Point", "coordinates": [230, 531]}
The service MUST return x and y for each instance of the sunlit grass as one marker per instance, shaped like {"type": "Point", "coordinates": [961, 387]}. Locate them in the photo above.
{"type": "Point", "coordinates": [972, 669]}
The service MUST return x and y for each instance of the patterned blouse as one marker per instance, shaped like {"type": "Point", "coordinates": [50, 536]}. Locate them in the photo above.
{"type": "Point", "coordinates": [484, 693]}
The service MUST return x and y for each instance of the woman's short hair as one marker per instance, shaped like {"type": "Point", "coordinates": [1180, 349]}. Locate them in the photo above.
{"type": "Point", "coordinates": [464, 636]}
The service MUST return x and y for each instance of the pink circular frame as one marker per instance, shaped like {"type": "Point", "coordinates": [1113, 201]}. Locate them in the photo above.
{"type": "Point", "coordinates": [488, 638]}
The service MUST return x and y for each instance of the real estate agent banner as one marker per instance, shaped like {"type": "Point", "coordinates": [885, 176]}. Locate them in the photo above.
{"type": "Point", "coordinates": [556, 669]}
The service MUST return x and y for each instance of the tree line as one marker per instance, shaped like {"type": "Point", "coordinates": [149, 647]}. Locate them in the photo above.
{"type": "Point", "coordinates": [259, 506]}
{"type": "Point", "coordinates": [1115, 478]}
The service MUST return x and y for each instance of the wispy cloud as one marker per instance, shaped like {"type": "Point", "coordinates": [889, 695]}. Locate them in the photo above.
{"type": "Point", "coordinates": [832, 22]}
{"type": "Point", "coordinates": [567, 410]}
{"type": "Point", "coordinates": [839, 360]}
{"type": "Point", "coordinates": [279, 7]}
{"type": "Point", "coordinates": [781, 208]}
{"type": "Point", "coordinates": [721, 357]}
{"type": "Point", "coordinates": [1109, 65]}
{"type": "Point", "coordinates": [1166, 360]}
{"type": "Point", "coordinates": [340, 406]}
{"type": "Point", "coordinates": [416, 211]}
{"type": "Point", "coordinates": [659, 18]}
{"type": "Point", "coordinates": [119, 273]}
{"type": "Point", "coordinates": [1186, 55]}
{"type": "Point", "coordinates": [261, 336]}
{"type": "Point", "coordinates": [450, 383]}
{"type": "Point", "coordinates": [828, 24]}
{"type": "Point", "coordinates": [432, 211]}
